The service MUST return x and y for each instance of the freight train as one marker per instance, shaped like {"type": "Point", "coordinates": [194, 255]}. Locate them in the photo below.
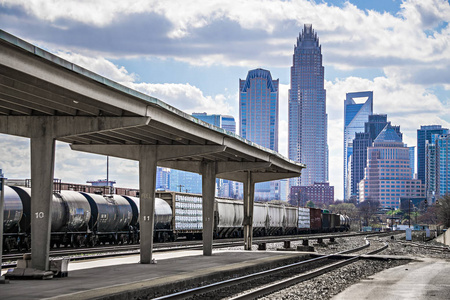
{"type": "Point", "coordinates": [84, 219]}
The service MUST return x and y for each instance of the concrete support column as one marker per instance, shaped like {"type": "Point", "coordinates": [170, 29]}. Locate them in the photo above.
{"type": "Point", "coordinates": [208, 191]}
{"type": "Point", "coordinates": [42, 167]}
{"type": "Point", "coordinates": [147, 186]}
{"type": "Point", "coordinates": [2, 206]}
{"type": "Point", "coordinates": [249, 197]}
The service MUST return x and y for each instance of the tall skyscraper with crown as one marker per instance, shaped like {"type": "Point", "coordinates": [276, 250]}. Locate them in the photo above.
{"type": "Point", "coordinates": [307, 110]}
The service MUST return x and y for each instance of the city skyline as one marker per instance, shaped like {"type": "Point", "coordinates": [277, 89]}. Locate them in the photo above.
{"type": "Point", "coordinates": [192, 58]}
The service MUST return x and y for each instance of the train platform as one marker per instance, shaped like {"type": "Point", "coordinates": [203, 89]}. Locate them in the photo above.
{"type": "Point", "coordinates": [125, 278]}
{"type": "Point", "coordinates": [421, 279]}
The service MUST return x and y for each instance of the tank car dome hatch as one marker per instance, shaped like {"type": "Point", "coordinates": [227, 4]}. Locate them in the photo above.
{"type": "Point", "coordinates": [13, 210]}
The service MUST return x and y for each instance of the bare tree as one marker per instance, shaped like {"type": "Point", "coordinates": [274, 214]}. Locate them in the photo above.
{"type": "Point", "coordinates": [367, 210]}
{"type": "Point", "coordinates": [444, 210]}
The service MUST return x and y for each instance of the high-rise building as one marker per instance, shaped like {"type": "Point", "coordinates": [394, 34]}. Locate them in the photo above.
{"type": "Point", "coordinates": [361, 142]}
{"type": "Point", "coordinates": [222, 121]}
{"type": "Point", "coordinates": [437, 166]}
{"type": "Point", "coordinates": [258, 108]}
{"type": "Point", "coordinates": [258, 119]}
{"type": "Point", "coordinates": [387, 176]}
{"type": "Point", "coordinates": [424, 134]}
{"type": "Point", "coordinates": [163, 178]}
{"type": "Point", "coordinates": [355, 116]}
{"type": "Point", "coordinates": [307, 110]}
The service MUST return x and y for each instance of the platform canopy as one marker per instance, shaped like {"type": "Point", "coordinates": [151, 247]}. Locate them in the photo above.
{"type": "Point", "coordinates": [35, 83]}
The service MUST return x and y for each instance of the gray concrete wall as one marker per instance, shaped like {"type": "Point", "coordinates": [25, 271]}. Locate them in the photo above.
{"type": "Point", "coordinates": [444, 238]}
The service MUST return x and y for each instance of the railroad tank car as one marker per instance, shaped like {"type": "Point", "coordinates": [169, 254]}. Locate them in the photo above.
{"type": "Point", "coordinates": [13, 210]}
{"type": "Point", "coordinates": [162, 219]}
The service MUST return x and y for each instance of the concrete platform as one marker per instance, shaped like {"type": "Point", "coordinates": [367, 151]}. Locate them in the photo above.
{"type": "Point", "coordinates": [125, 278]}
{"type": "Point", "coordinates": [422, 279]}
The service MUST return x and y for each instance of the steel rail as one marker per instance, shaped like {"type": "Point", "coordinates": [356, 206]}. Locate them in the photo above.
{"type": "Point", "coordinates": [285, 283]}
{"type": "Point", "coordinates": [234, 281]}
{"type": "Point", "coordinates": [163, 247]}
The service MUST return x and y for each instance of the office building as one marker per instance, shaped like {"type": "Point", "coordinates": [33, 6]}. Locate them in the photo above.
{"type": "Point", "coordinates": [163, 179]}
{"type": "Point", "coordinates": [258, 120]}
{"type": "Point", "coordinates": [222, 121]}
{"type": "Point", "coordinates": [437, 166]}
{"type": "Point", "coordinates": [361, 142]}
{"type": "Point", "coordinates": [258, 108]}
{"type": "Point", "coordinates": [320, 193]}
{"type": "Point", "coordinates": [307, 110]}
{"type": "Point", "coordinates": [355, 116]}
{"type": "Point", "coordinates": [387, 176]}
{"type": "Point", "coordinates": [424, 134]}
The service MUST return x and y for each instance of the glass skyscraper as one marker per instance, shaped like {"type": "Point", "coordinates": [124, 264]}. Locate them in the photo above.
{"type": "Point", "coordinates": [258, 120]}
{"type": "Point", "coordinates": [258, 108]}
{"type": "Point", "coordinates": [437, 166]}
{"type": "Point", "coordinates": [355, 116]}
{"type": "Point", "coordinates": [307, 110]}
{"type": "Point", "coordinates": [424, 134]}
{"type": "Point", "coordinates": [222, 121]}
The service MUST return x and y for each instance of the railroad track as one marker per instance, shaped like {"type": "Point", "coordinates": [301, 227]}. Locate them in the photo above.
{"type": "Point", "coordinates": [117, 250]}
{"type": "Point", "coordinates": [262, 283]}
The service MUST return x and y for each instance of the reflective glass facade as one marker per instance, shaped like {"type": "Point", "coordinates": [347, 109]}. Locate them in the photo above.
{"type": "Point", "coordinates": [424, 134]}
{"type": "Point", "coordinates": [307, 110]}
{"type": "Point", "coordinates": [437, 166]}
{"type": "Point", "coordinates": [258, 108]}
{"type": "Point", "coordinates": [355, 116]}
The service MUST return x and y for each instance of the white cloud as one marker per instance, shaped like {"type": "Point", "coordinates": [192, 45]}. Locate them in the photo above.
{"type": "Point", "coordinates": [99, 65]}
{"type": "Point", "coordinates": [352, 37]}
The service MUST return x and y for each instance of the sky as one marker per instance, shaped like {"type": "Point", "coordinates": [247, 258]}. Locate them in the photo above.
{"type": "Point", "coordinates": [191, 54]}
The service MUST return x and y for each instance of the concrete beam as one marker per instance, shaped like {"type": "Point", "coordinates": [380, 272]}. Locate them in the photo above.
{"type": "Point", "coordinates": [164, 152]}
{"type": "Point", "coordinates": [184, 125]}
{"type": "Point", "coordinates": [188, 166]}
{"type": "Point", "coordinates": [267, 176]}
{"type": "Point", "coordinates": [208, 193]}
{"type": "Point", "coordinates": [249, 199]}
{"type": "Point", "coordinates": [231, 166]}
{"type": "Point", "coordinates": [147, 186]}
{"type": "Point", "coordinates": [66, 126]}
{"type": "Point", "coordinates": [250, 150]}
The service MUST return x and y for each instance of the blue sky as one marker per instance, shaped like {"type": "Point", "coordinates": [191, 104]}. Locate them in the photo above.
{"type": "Point", "coordinates": [191, 54]}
